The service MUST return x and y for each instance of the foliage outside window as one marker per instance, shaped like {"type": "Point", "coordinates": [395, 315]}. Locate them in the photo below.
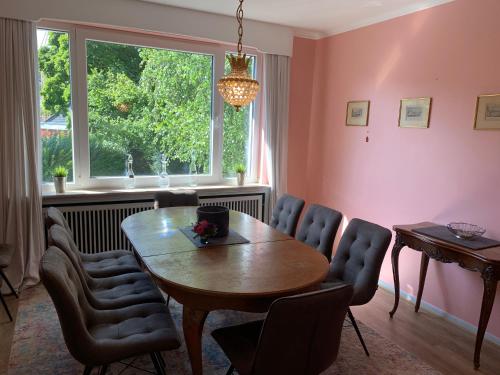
{"type": "Point", "coordinates": [142, 101]}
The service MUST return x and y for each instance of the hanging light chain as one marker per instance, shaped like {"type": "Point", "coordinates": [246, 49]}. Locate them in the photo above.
{"type": "Point", "coordinates": [239, 17]}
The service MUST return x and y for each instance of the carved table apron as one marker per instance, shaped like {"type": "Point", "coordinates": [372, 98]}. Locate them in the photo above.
{"type": "Point", "coordinates": [486, 262]}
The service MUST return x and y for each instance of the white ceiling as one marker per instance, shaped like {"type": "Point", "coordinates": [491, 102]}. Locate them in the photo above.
{"type": "Point", "coordinates": [313, 18]}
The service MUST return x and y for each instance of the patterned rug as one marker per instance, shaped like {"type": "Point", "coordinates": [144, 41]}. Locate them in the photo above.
{"type": "Point", "coordinates": [38, 347]}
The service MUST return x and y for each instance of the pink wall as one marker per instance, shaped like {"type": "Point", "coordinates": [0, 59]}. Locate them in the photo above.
{"type": "Point", "coordinates": [445, 173]}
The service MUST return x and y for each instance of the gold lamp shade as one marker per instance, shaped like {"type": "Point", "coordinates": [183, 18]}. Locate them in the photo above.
{"type": "Point", "coordinates": [238, 88]}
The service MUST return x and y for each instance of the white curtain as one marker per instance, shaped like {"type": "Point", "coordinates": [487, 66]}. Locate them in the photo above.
{"type": "Point", "coordinates": [276, 93]}
{"type": "Point", "coordinates": [21, 203]}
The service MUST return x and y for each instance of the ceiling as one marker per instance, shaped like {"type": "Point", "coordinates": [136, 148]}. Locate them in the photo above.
{"type": "Point", "coordinates": [313, 18]}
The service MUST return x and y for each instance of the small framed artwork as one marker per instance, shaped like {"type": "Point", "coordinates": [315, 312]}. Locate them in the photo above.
{"type": "Point", "coordinates": [488, 112]}
{"type": "Point", "coordinates": [415, 113]}
{"type": "Point", "coordinates": [357, 113]}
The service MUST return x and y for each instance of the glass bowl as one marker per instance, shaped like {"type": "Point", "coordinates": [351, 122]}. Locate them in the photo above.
{"type": "Point", "coordinates": [466, 231]}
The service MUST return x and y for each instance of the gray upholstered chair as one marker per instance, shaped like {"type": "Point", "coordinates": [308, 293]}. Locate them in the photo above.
{"type": "Point", "coordinates": [107, 292]}
{"type": "Point", "coordinates": [286, 214]}
{"type": "Point", "coordinates": [6, 252]}
{"type": "Point", "coordinates": [102, 264]}
{"type": "Point", "coordinates": [176, 198]}
{"type": "Point", "coordinates": [319, 227]}
{"type": "Point", "coordinates": [358, 261]}
{"type": "Point", "coordinates": [97, 338]}
{"type": "Point", "coordinates": [301, 335]}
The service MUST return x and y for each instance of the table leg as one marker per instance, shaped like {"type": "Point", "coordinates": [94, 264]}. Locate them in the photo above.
{"type": "Point", "coordinates": [192, 324]}
{"type": "Point", "coordinates": [398, 245]}
{"type": "Point", "coordinates": [490, 288]}
{"type": "Point", "coordinates": [424, 263]}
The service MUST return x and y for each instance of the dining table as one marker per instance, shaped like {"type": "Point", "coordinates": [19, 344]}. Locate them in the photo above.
{"type": "Point", "coordinates": [243, 277]}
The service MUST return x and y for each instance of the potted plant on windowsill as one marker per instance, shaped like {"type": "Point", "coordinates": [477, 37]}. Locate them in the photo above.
{"type": "Point", "coordinates": [60, 175]}
{"type": "Point", "coordinates": [240, 174]}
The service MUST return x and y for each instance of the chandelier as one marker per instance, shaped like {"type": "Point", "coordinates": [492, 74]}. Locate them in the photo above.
{"type": "Point", "coordinates": [238, 88]}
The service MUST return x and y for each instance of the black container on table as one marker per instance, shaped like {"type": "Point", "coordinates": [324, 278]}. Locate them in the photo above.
{"type": "Point", "coordinates": [217, 215]}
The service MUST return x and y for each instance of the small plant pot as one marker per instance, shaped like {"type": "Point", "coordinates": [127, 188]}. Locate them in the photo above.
{"type": "Point", "coordinates": [240, 177]}
{"type": "Point", "coordinates": [217, 215]}
{"type": "Point", "coordinates": [60, 184]}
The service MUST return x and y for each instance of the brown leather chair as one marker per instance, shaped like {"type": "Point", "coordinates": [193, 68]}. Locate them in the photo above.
{"type": "Point", "coordinates": [176, 198]}
{"type": "Point", "coordinates": [301, 335]}
{"type": "Point", "coordinates": [102, 264]}
{"type": "Point", "coordinates": [6, 252]}
{"type": "Point", "coordinates": [286, 213]}
{"type": "Point", "coordinates": [97, 338]}
{"type": "Point", "coordinates": [358, 261]}
{"type": "Point", "coordinates": [107, 292]}
{"type": "Point", "coordinates": [319, 227]}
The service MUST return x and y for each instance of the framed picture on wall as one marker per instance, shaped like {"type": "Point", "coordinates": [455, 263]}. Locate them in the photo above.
{"type": "Point", "coordinates": [488, 112]}
{"type": "Point", "coordinates": [357, 113]}
{"type": "Point", "coordinates": [415, 113]}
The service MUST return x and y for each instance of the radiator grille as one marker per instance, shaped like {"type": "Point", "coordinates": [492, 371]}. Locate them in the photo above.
{"type": "Point", "coordinates": [97, 227]}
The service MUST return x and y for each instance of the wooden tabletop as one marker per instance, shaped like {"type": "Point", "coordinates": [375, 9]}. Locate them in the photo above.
{"type": "Point", "coordinates": [271, 265]}
{"type": "Point", "coordinates": [491, 254]}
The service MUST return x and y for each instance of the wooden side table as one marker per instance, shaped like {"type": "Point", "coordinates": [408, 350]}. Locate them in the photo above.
{"type": "Point", "coordinates": [486, 262]}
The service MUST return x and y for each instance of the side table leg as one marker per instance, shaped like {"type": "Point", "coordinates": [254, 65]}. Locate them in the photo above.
{"type": "Point", "coordinates": [490, 288]}
{"type": "Point", "coordinates": [424, 263]}
{"type": "Point", "coordinates": [192, 324]}
{"type": "Point", "coordinates": [398, 245]}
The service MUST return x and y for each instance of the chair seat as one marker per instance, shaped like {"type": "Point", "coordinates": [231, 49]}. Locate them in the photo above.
{"type": "Point", "coordinates": [239, 343]}
{"type": "Point", "coordinates": [110, 263]}
{"type": "Point", "coordinates": [6, 252]}
{"type": "Point", "coordinates": [125, 290]}
{"type": "Point", "coordinates": [133, 331]}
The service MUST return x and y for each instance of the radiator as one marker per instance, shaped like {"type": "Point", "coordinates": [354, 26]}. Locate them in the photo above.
{"type": "Point", "coordinates": [96, 227]}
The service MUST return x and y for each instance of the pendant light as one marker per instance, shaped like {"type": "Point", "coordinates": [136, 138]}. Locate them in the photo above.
{"type": "Point", "coordinates": [238, 88]}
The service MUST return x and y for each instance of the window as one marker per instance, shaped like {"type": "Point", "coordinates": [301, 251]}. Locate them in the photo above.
{"type": "Point", "coordinates": [141, 96]}
{"type": "Point", "coordinates": [146, 102]}
{"type": "Point", "coordinates": [55, 102]}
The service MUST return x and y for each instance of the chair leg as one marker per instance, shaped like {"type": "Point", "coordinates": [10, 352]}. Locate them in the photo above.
{"type": "Point", "coordinates": [159, 369]}
{"type": "Point", "coordinates": [103, 370]}
{"type": "Point", "coordinates": [230, 370]}
{"type": "Point", "coordinates": [8, 283]}
{"type": "Point", "coordinates": [353, 321]}
{"type": "Point", "coordinates": [88, 370]}
{"type": "Point", "coordinates": [160, 359]}
{"type": "Point", "coordinates": [5, 306]}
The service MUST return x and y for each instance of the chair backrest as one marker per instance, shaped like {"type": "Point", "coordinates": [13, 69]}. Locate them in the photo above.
{"type": "Point", "coordinates": [286, 214]}
{"type": "Point", "coordinates": [319, 227]}
{"type": "Point", "coordinates": [74, 312]}
{"type": "Point", "coordinates": [359, 258]}
{"type": "Point", "coordinates": [176, 198]}
{"type": "Point", "coordinates": [54, 216]}
{"type": "Point", "coordinates": [301, 334]}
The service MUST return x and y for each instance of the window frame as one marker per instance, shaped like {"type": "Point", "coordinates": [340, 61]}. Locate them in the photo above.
{"type": "Point", "coordinates": [78, 35]}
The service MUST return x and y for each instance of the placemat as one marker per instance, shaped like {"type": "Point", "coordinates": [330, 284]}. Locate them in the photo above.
{"type": "Point", "coordinates": [442, 233]}
{"type": "Point", "coordinates": [232, 238]}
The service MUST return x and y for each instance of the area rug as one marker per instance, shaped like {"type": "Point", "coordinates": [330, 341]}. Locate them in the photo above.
{"type": "Point", "coordinates": [38, 347]}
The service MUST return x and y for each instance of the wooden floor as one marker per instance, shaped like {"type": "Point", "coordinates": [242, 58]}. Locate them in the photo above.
{"type": "Point", "coordinates": [441, 344]}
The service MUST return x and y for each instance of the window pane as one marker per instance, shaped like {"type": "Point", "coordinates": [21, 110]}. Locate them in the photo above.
{"type": "Point", "coordinates": [238, 128]}
{"type": "Point", "coordinates": [145, 102]}
{"type": "Point", "coordinates": [55, 102]}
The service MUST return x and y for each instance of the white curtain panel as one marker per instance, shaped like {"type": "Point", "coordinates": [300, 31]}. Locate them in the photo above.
{"type": "Point", "coordinates": [21, 203]}
{"type": "Point", "coordinates": [276, 94]}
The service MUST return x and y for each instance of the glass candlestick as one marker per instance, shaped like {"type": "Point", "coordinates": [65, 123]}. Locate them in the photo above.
{"type": "Point", "coordinates": [192, 171]}
{"type": "Point", "coordinates": [163, 178]}
{"type": "Point", "coordinates": [130, 182]}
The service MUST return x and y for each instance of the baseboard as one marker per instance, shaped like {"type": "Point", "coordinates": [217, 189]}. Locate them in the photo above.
{"type": "Point", "coordinates": [441, 313]}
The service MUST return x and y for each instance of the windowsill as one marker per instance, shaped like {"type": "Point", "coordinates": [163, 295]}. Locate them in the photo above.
{"type": "Point", "coordinates": [143, 193]}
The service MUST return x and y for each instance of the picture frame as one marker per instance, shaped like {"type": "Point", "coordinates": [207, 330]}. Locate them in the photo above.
{"type": "Point", "coordinates": [357, 113]}
{"type": "Point", "coordinates": [415, 112]}
{"type": "Point", "coordinates": [487, 112]}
